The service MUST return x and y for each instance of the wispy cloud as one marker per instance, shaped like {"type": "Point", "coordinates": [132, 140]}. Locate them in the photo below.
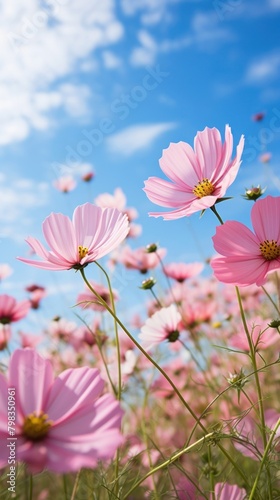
{"type": "Point", "coordinates": [137, 137]}
{"type": "Point", "coordinates": [264, 69]}
{"type": "Point", "coordinates": [40, 45]}
{"type": "Point", "coordinates": [204, 33]}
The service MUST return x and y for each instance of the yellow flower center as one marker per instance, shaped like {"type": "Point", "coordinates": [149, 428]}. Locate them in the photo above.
{"type": "Point", "coordinates": [36, 427]}
{"type": "Point", "coordinates": [203, 188]}
{"type": "Point", "coordinates": [83, 251]}
{"type": "Point", "coordinates": [269, 249]}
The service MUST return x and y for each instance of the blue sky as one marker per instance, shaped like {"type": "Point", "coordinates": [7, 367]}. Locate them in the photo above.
{"type": "Point", "coordinates": [132, 75]}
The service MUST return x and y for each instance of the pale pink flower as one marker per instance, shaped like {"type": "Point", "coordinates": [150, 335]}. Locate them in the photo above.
{"type": "Point", "coordinates": [88, 300]}
{"type": "Point", "coordinates": [29, 340]}
{"type": "Point", "coordinates": [180, 271]}
{"type": "Point", "coordinates": [163, 325]}
{"type": "Point", "coordinates": [62, 329]}
{"type": "Point", "coordinates": [246, 257]}
{"type": "Point", "coordinates": [262, 336]}
{"type": "Point", "coordinates": [5, 271]}
{"type": "Point", "coordinates": [248, 429]}
{"type": "Point", "coordinates": [199, 176]}
{"type": "Point", "coordinates": [92, 233]}
{"type": "Point", "coordinates": [65, 183]}
{"type": "Point", "coordinates": [226, 491]}
{"type": "Point", "coordinates": [140, 259]}
{"type": "Point", "coordinates": [118, 200]}
{"type": "Point", "coordinates": [11, 310]}
{"type": "Point", "coordinates": [61, 424]}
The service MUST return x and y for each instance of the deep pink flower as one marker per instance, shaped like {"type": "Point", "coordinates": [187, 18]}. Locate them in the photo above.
{"type": "Point", "coordinates": [92, 233]}
{"type": "Point", "coordinates": [246, 257]}
{"type": "Point", "coordinates": [258, 117]}
{"type": "Point", "coordinates": [11, 310]}
{"type": "Point", "coordinates": [199, 176]}
{"type": "Point", "coordinates": [163, 325]}
{"type": "Point", "coordinates": [61, 424]}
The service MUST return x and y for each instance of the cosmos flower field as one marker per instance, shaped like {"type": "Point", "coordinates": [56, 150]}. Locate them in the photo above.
{"type": "Point", "coordinates": [178, 402]}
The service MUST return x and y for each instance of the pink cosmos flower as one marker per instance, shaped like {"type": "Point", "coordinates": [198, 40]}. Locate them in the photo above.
{"type": "Point", "coordinates": [247, 428]}
{"type": "Point", "coordinates": [5, 271]}
{"type": "Point", "coordinates": [37, 293]}
{"type": "Point", "coordinates": [61, 424]}
{"type": "Point", "coordinates": [65, 183]}
{"type": "Point", "coordinates": [226, 491]}
{"type": "Point", "coordinates": [11, 310]}
{"type": "Point", "coordinates": [180, 271]}
{"type": "Point", "coordinates": [163, 325]}
{"type": "Point", "coordinates": [140, 259]}
{"type": "Point", "coordinates": [118, 200]}
{"type": "Point", "coordinates": [199, 176]}
{"type": "Point", "coordinates": [92, 233]}
{"type": "Point", "coordinates": [246, 257]}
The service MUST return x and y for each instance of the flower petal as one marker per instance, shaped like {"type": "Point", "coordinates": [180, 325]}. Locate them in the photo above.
{"type": "Point", "coordinates": [32, 377]}
{"type": "Point", "coordinates": [208, 148]}
{"type": "Point", "coordinates": [265, 217]}
{"type": "Point", "coordinates": [180, 164]}
{"type": "Point", "coordinates": [59, 234]}
{"type": "Point", "coordinates": [235, 239]}
{"type": "Point", "coordinates": [72, 389]}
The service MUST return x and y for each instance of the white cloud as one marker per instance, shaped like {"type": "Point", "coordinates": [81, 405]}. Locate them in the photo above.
{"type": "Point", "coordinates": [40, 45]}
{"type": "Point", "coordinates": [110, 60]}
{"type": "Point", "coordinates": [137, 137]}
{"type": "Point", "coordinates": [264, 69]}
{"type": "Point", "coordinates": [153, 11]}
{"type": "Point", "coordinates": [204, 33]}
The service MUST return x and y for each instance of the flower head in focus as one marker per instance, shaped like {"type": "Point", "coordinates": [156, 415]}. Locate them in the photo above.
{"type": "Point", "coordinates": [247, 257]}
{"type": "Point", "coordinates": [92, 233]}
{"type": "Point", "coordinates": [63, 423]}
{"type": "Point", "coordinates": [199, 177]}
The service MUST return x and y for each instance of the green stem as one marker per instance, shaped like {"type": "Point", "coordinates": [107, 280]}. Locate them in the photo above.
{"type": "Point", "coordinates": [145, 439]}
{"type": "Point", "coordinates": [169, 462]}
{"type": "Point", "coordinates": [116, 330]}
{"type": "Point", "coordinates": [266, 451]}
{"type": "Point", "coordinates": [73, 496]}
{"type": "Point", "coordinates": [30, 487]}
{"type": "Point", "coordinates": [119, 393]}
{"type": "Point", "coordinates": [155, 297]}
{"type": "Point", "coordinates": [211, 475]}
{"type": "Point", "coordinates": [177, 392]}
{"type": "Point", "coordinates": [257, 380]}
{"type": "Point", "coordinates": [213, 208]}
{"type": "Point", "coordinates": [65, 486]}
{"type": "Point", "coordinates": [271, 300]}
